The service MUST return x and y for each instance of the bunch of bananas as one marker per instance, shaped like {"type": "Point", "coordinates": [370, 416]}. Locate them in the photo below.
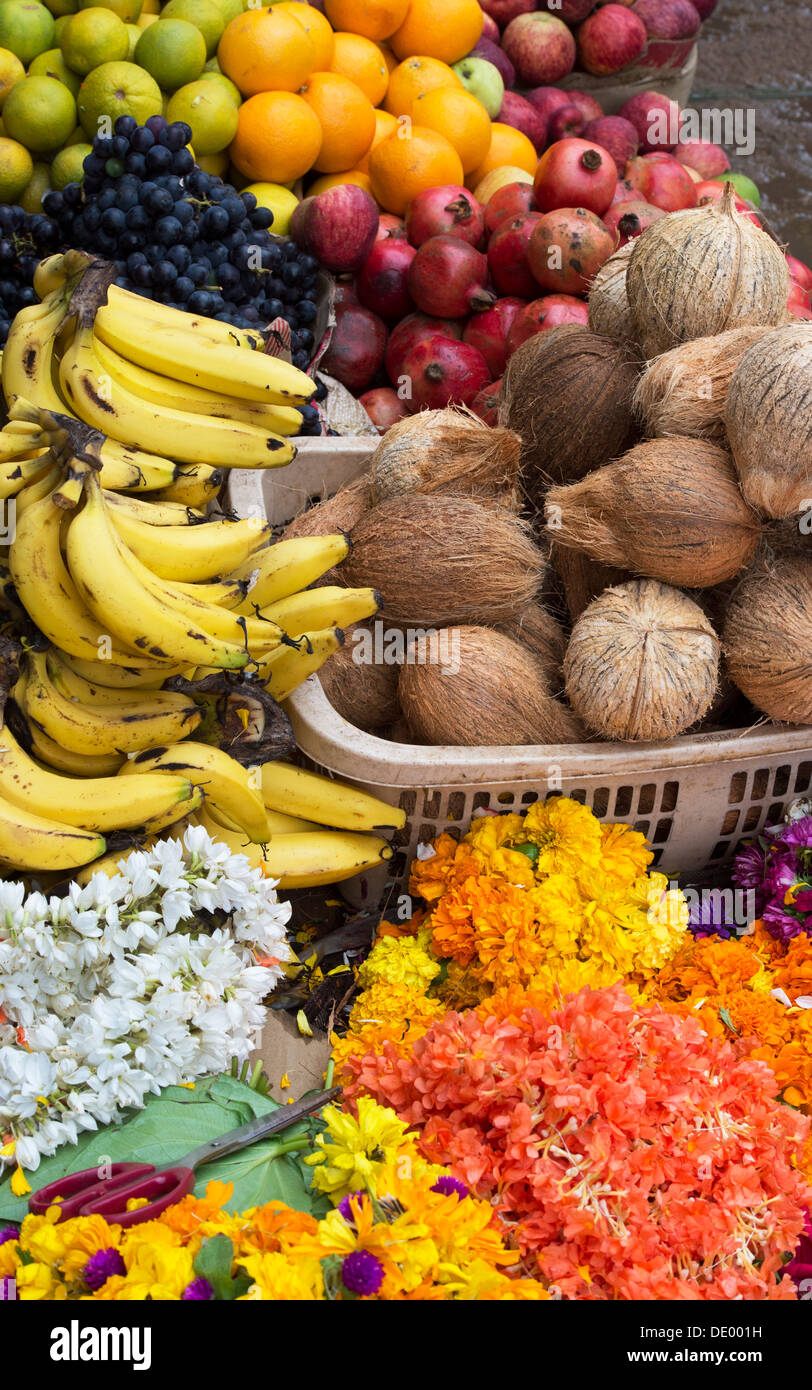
{"type": "Point", "coordinates": [117, 434]}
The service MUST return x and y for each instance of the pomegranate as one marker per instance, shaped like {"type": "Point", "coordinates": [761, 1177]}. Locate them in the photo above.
{"type": "Point", "coordinates": [486, 403]}
{"type": "Point", "coordinates": [655, 118]}
{"type": "Point", "coordinates": [664, 182]}
{"type": "Point", "coordinates": [610, 39]}
{"type": "Point", "coordinates": [357, 346]}
{"type": "Point", "coordinates": [413, 330]}
{"type": "Point", "coordinates": [512, 200]}
{"type": "Point", "coordinates": [540, 47]}
{"type": "Point", "coordinates": [667, 19]}
{"type": "Point", "coordinates": [800, 273]}
{"type": "Point", "coordinates": [565, 121]}
{"type": "Point", "coordinates": [543, 314]}
{"type": "Point", "coordinates": [624, 192]}
{"type": "Point", "coordinates": [799, 303]}
{"type": "Point", "coordinates": [448, 277]}
{"type": "Point", "coordinates": [338, 227]}
{"type": "Point", "coordinates": [507, 256]}
{"type": "Point", "coordinates": [448, 210]}
{"type": "Point", "coordinates": [628, 220]}
{"type": "Point", "coordinates": [390, 226]}
{"type": "Point", "coordinates": [708, 159]}
{"type": "Point", "coordinates": [589, 107]}
{"type": "Point", "coordinates": [494, 54]}
{"type": "Point", "coordinates": [516, 111]}
{"type": "Point", "coordinates": [575, 173]}
{"type": "Point", "coordinates": [616, 135]}
{"type": "Point", "coordinates": [547, 100]}
{"type": "Point", "coordinates": [381, 282]}
{"type": "Point", "coordinates": [567, 248]}
{"type": "Point", "coordinates": [489, 332]}
{"type": "Point", "coordinates": [441, 372]}
{"type": "Point", "coordinates": [345, 293]}
{"type": "Point", "coordinates": [384, 407]}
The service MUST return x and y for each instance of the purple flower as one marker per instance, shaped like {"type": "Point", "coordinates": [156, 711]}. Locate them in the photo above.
{"type": "Point", "coordinates": [798, 834]}
{"type": "Point", "coordinates": [362, 1273]}
{"type": "Point", "coordinates": [101, 1266]}
{"type": "Point", "coordinates": [749, 871]}
{"type": "Point", "coordinates": [8, 1233]}
{"type": "Point", "coordinates": [708, 916]}
{"type": "Point", "coordinates": [781, 923]}
{"type": "Point", "coordinates": [344, 1205]}
{"type": "Point", "coordinates": [800, 1266]}
{"type": "Point", "coordinates": [198, 1290]}
{"type": "Point", "coordinates": [447, 1185]}
{"type": "Point", "coordinates": [803, 901]}
{"type": "Point", "coordinates": [782, 873]}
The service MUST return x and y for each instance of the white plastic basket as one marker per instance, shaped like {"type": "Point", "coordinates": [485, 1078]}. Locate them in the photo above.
{"type": "Point", "coordinates": [695, 798]}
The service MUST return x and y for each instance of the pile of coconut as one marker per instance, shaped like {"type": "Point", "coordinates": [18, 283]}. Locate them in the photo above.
{"type": "Point", "coordinates": [628, 554]}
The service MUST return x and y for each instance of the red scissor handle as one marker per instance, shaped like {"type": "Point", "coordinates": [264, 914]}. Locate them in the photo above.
{"type": "Point", "coordinates": [161, 1189]}
{"type": "Point", "coordinates": [76, 1189]}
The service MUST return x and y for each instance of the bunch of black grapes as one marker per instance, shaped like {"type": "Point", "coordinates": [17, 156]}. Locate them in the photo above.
{"type": "Point", "coordinates": [184, 237]}
{"type": "Point", "coordinates": [24, 240]}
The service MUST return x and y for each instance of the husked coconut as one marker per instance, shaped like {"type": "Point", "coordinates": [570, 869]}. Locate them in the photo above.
{"type": "Point", "coordinates": [767, 636]}
{"type": "Point", "coordinates": [446, 451]}
{"type": "Point", "coordinates": [768, 417]}
{"type": "Point", "coordinates": [684, 391]}
{"type": "Point", "coordinates": [609, 311]}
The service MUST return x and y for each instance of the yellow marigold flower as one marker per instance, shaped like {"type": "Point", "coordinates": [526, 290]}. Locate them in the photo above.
{"type": "Point", "coordinates": [278, 1278]}
{"type": "Point", "coordinates": [9, 1258]}
{"type": "Point", "coordinates": [42, 1238]}
{"type": "Point", "coordinates": [36, 1282]}
{"type": "Point", "coordinates": [351, 1151]}
{"type": "Point", "coordinates": [478, 1282]}
{"type": "Point", "coordinates": [567, 834]}
{"type": "Point", "coordinates": [386, 1014]}
{"type": "Point", "coordinates": [625, 854]}
{"type": "Point", "coordinates": [399, 960]}
{"type": "Point", "coordinates": [190, 1213]}
{"type": "Point", "coordinates": [464, 987]}
{"type": "Point", "coordinates": [449, 863]}
{"type": "Point", "coordinates": [164, 1269]}
{"type": "Point", "coordinates": [81, 1238]}
{"type": "Point", "coordinates": [561, 908]}
{"type": "Point", "coordinates": [491, 838]}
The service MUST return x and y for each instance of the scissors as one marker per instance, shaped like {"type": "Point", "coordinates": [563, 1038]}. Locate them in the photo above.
{"type": "Point", "coordinates": [83, 1194]}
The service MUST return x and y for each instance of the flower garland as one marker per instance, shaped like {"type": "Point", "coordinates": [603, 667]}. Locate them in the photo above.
{"type": "Point", "coordinates": [136, 982]}
{"type": "Point", "coordinates": [403, 1229]}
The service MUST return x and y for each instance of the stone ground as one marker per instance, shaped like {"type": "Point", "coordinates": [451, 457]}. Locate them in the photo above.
{"type": "Point", "coordinates": [757, 55]}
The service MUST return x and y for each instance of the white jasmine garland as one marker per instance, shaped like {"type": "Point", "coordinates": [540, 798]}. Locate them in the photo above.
{"type": "Point", "coordinates": [128, 985]}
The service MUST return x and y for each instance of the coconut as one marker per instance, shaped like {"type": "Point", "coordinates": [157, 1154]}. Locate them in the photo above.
{"type": "Point", "coordinates": [442, 559]}
{"type": "Point", "coordinates": [642, 662]}
{"type": "Point", "coordinates": [569, 394]}
{"type": "Point", "coordinates": [338, 513]}
{"type": "Point", "coordinates": [766, 637]}
{"type": "Point", "coordinates": [768, 417]}
{"type": "Point", "coordinates": [683, 392]}
{"type": "Point", "coordinates": [446, 451]}
{"type": "Point", "coordinates": [670, 509]}
{"type": "Point", "coordinates": [363, 692]}
{"type": "Point", "coordinates": [538, 630]}
{"type": "Point", "coordinates": [701, 271]}
{"type": "Point", "coordinates": [609, 311]}
{"type": "Point", "coordinates": [583, 578]}
{"type": "Point", "coordinates": [492, 694]}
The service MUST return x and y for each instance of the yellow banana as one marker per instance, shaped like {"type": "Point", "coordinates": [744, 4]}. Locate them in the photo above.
{"type": "Point", "coordinates": [160, 717]}
{"type": "Point", "coordinates": [194, 486]}
{"type": "Point", "coordinates": [151, 309]}
{"type": "Point", "coordinates": [78, 765]}
{"type": "Point", "coordinates": [288, 566]}
{"type": "Point", "coordinates": [153, 511]}
{"type": "Point", "coordinates": [298, 792]}
{"type": "Point", "coordinates": [278, 823]}
{"type": "Point", "coordinates": [30, 842]}
{"type": "Point", "coordinates": [290, 666]}
{"type": "Point", "coordinates": [307, 859]}
{"type": "Point", "coordinates": [93, 804]}
{"type": "Point", "coordinates": [128, 610]}
{"type": "Point", "coordinates": [193, 357]}
{"type": "Point", "coordinates": [190, 553]}
{"type": "Point", "coordinates": [101, 401]}
{"type": "Point", "coordinates": [110, 676]}
{"type": "Point", "coordinates": [94, 692]}
{"type": "Point", "coordinates": [16, 476]}
{"type": "Point", "coordinates": [226, 784]}
{"type": "Point", "coordinates": [27, 355]}
{"type": "Point", "coordinates": [329, 606]}
{"type": "Point", "coordinates": [49, 595]}
{"type": "Point", "coordinates": [180, 395]}
{"type": "Point", "coordinates": [39, 490]}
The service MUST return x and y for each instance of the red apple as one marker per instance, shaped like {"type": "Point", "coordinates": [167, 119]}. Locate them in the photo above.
{"type": "Point", "coordinates": [610, 39]}
{"type": "Point", "coordinates": [540, 47]}
{"type": "Point", "coordinates": [384, 407]}
{"type": "Point", "coordinates": [708, 159]}
{"type": "Point", "coordinates": [338, 227]}
{"type": "Point", "coordinates": [490, 29]}
{"type": "Point", "coordinates": [664, 182]}
{"type": "Point", "coordinates": [616, 135]}
{"type": "Point", "coordinates": [668, 19]}
{"type": "Point", "coordinates": [589, 107]}
{"type": "Point", "coordinates": [656, 119]}
{"type": "Point", "coordinates": [518, 112]}
{"type": "Point", "coordinates": [503, 11]}
{"type": "Point", "coordinates": [494, 54]}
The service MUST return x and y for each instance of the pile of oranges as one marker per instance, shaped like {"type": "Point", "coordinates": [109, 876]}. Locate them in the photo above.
{"type": "Point", "coordinates": [364, 93]}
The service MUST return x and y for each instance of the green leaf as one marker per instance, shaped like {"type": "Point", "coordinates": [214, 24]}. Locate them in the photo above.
{"type": "Point", "coordinates": [213, 1263]}
{"type": "Point", "coordinates": [728, 1021]}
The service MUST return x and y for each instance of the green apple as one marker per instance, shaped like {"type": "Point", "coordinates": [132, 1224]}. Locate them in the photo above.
{"type": "Point", "coordinates": [743, 185]}
{"type": "Point", "coordinates": [483, 81]}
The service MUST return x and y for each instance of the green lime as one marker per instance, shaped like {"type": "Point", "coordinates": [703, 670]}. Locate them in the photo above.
{"type": "Point", "coordinates": [173, 51]}
{"type": "Point", "coordinates": [229, 9]}
{"type": "Point", "coordinates": [40, 112]}
{"type": "Point", "coordinates": [38, 185]}
{"type": "Point", "coordinates": [743, 185]}
{"type": "Point", "coordinates": [26, 28]}
{"type": "Point", "coordinates": [209, 111]}
{"type": "Point", "coordinates": [61, 8]}
{"type": "Point", "coordinates": [11, 72]}
{"type": "Point", "coordinates": [59, 27]}
{"type": "Point", "coordinates": [127, 10]}
{"type": "Point", "coordinates": [16, 168]}
{"type": "Point", "coordinates": [68, 165]}
{"type": "Point", "coordinates": [93, 37]}
{"type": "Point", "coordinates": [225, 83]}
{"type": "Point", "coordinates": [113, 90]}
{"type": "Point", "coordinates": [134, 33]}
{"type": "Point", "coordinates": [52, 64]}
{"type": "Point", "coordinates": [204, 14]}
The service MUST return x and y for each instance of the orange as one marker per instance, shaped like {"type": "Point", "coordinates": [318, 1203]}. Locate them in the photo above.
{"type": "Point", "coordinates": [265, 51]}
{"type": "Point", "coordinates": [347, 120]}
{"type": "Point", "coordinates": [316, 26]}
{"type": "Point", "coordinates": [278, 137]}
{"type": "Point", "coordinates": [333, 180]}
{"type": "Point", "coordinates": [508, 146]}
{"type": "Point", "coordinates": [384, 125]}
{"type": "Point", "coordinates": [373, 19]}
{"type": "Point", "coordinates": [409, 161]}
{"type": "Point", "coordinates": [388, 57]}
{"type": "Point", "coordinates": [362, 61]}
{"type": "Point", "coordinates": [414, 77]}
{"type": "Point", "coordinates": [445, 29]}
{"type": "Point", "coordinates": [460, 118]}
